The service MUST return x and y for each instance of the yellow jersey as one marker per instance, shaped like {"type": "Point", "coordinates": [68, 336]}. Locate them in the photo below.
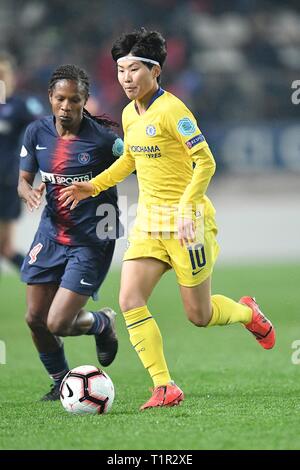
{"type": "Point", "coordinates": [172, 160]}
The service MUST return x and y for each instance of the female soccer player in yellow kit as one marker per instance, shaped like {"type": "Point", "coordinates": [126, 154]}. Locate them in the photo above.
{"type": "Point", "coordinates": [175, 224]}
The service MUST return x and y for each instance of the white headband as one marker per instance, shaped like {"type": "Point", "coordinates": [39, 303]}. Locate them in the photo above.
{"type": "Point", "coordinates": [142, 59]}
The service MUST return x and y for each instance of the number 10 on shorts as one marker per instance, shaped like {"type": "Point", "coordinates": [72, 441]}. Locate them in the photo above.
{"type": "Point", "coordinates": [197, 257]}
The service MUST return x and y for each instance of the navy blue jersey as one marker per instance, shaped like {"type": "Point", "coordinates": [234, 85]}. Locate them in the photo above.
{"type": "Point", "coordinates": [15, 115]}
{"type": "Point", "coordinates": [62, 162]}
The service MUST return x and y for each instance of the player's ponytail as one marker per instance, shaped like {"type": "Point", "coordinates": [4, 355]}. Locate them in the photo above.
{"type": "Point", "coordinates": [103, 119]}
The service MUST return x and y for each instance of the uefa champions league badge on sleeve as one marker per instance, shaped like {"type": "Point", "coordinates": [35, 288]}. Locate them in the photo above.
{"type": "Point", "coordinates": [186, 127]}
{"type": "Point", "coordinates": [195, 140]}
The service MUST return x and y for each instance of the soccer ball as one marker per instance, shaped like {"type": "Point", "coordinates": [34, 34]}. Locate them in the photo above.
{"type": "Point", "coordinates": [87, 390]}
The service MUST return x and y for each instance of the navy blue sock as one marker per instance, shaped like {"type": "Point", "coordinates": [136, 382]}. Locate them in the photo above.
{"type": "Point", "coordinates": [100, 322]}
{"type": "Point", "coordinates": [56, 365]}
{"type": "Point", "coordinates": [17, 260]}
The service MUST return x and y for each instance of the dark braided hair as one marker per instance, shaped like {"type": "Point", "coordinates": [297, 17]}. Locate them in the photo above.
{"type": "Point", "coordinates": [76, 74]}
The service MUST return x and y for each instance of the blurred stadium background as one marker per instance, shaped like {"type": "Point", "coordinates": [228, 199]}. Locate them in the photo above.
{"type": "Point", "coordinates": [232, 63]}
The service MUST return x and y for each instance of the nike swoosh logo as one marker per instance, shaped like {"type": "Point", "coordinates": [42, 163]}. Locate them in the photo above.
{"type": "Point", "coordinates": [40, 148]}
{"type": "Point", "coordinates": [196, 272]}
{"type": "Point", "coordinates": [82, 281]}
{"type": "Point", "coordinates": [138, 343]}
{"type": "Point", "coordinates": [70, 391]}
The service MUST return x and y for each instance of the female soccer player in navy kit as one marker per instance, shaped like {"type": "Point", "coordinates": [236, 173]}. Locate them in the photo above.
{"type": "Point", "coordinates": [175, 225]}
{"type": "Point", "coordinates": [71, 252]}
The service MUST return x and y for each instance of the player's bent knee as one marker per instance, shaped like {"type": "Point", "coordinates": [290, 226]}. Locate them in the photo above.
{"type": "Point", "coordinates": [198, 317]}
{"type": "Point", "coordinates": [58, 327]}
{"type": "Point", "coordinates": [34, 321]}
{"type": "Point", "coordinates": [126, 303]}
{"type": "Point", "coordinates": [199, 322]}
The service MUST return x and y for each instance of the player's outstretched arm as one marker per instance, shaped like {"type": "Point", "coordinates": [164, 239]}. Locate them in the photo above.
{"type": "Point", "coordinates": [203, 171]}
{"type": "Point", "coordinates": [32, 196]}
{"type": "Point", "coordinates": [116, 173]}
{"type": "Point", "coordinates": [75, 192]}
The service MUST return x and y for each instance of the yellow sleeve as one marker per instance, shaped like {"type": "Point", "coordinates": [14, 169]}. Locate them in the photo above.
{"type": "Point", "coordinates": [116, 173]}
{"type": "Point", "coordinates": [204, 169]}
{"type": "Point", "coordinates": [181, 124]}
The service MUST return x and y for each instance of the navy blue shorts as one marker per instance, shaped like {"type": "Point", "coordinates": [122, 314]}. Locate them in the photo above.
{"type": "Point", "coordinates": [10, 204]}
{"type": "Point", "coordinates": [81, 269]}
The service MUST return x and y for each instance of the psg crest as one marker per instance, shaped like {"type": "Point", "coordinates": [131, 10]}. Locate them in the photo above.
{"type": "Point", "coordinates": [84, 158]}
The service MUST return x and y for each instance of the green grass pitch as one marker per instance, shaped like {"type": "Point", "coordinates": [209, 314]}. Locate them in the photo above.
{"type": "Point", "coordinates": [238, 396]}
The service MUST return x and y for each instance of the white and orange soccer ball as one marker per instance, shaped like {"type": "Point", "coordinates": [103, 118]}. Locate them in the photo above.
{"type": "Point", "coordinates": [87, 390]}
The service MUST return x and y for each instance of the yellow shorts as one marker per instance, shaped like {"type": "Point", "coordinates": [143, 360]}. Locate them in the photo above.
{"type": "Point", "coordinates": [192, 264]}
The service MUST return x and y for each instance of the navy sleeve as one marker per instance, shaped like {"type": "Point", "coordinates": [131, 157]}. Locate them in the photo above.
{"type": "Point", "coordinates": [28, 161]}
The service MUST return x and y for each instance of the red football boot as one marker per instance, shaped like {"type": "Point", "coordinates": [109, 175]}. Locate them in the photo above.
{"type": "Point", "coordinates": [260, 326]}
{"type": "Point", "coordinates": [164, 395]}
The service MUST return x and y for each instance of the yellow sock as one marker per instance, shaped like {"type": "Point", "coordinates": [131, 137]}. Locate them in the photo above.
{"type": "Point", "coordinates": [146, 339]}
{"type": "Point", "coordinates": [226, 311]}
